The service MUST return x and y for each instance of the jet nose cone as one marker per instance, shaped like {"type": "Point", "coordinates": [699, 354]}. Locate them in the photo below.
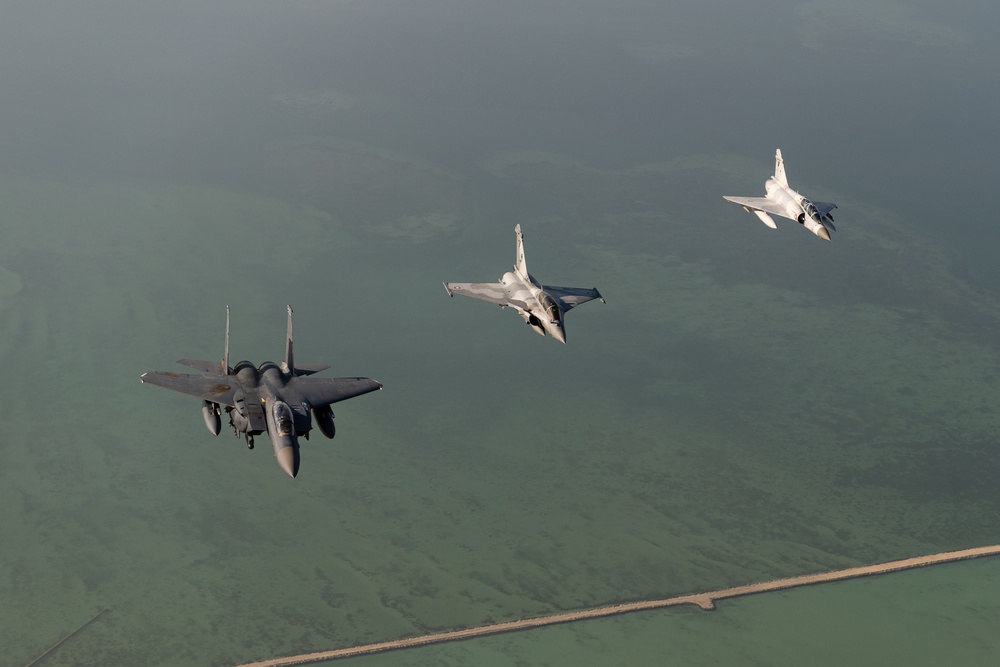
{"type": "Point", "coordinates": [288, 459]}
{"type": "Point", "coordinates": [559, 335]}
{"type": "Point", "coordinates": [823, 233]}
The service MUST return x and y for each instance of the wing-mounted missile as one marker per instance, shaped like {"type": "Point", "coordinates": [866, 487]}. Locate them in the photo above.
{"type": "Point", "coordinates": [212, 415]}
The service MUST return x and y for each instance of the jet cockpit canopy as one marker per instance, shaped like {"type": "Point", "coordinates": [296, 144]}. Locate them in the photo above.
{"type": "Point", "coordinates": [551, 308]}
{"type": "Point", "coordinates": [283, 418]}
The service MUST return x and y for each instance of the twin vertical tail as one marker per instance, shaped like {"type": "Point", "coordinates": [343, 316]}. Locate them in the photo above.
{"type": "Point", "coordinates": [779, 168]}
{"type": "Point", "coordinates": [289, 365]}
{"type": "Point", "coordinates": [519, 266]}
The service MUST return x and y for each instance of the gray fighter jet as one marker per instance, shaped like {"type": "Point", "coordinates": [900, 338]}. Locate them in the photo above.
{"type": "Point", "coordinates": [782, 200]}
{"type": "Point", "coordinates": [268, 398]}
{"type": "Point", "coordinates": [541, 306]}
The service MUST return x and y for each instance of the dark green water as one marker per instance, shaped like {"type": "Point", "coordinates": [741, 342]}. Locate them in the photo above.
{"type": "Point", "coordinates": [749, 404]}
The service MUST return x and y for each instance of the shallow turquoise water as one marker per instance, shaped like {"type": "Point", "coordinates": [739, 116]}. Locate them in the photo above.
{"type": "Point", "coordinates": [749, 404]}
{"type": "Point", "coordinates": [935, 616]}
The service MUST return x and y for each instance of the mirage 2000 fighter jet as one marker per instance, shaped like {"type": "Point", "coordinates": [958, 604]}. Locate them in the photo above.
{"type": "Point", "coordinates": [782, 200]}
{"type": "Point", "coordinates": [271, 399]}
{"type": "Point", "coordinates": [541, 306]}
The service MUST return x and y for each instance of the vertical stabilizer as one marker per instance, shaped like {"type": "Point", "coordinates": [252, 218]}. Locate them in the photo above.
{"type": "Point", "coordinates": [779, 168]}
{"type": "Point", "coordinates": [224, 370]}
{"type": "Point", "coordinates": [289, 365]}
{"type": "Point", "coordinates": [519, 265]}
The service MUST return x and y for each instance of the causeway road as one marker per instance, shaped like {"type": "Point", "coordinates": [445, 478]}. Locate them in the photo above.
{"type": "Point", "coordinates": [703, 600]}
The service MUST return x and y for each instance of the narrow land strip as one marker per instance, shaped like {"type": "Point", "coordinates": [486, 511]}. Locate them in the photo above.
{"type": "Point", "coordinates": [703, 600]}
{"type": "Point", "coordinates": [66, 638]}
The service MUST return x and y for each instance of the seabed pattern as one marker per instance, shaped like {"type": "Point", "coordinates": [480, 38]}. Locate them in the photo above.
{"type": "Point", "coordinates": [704, 600]}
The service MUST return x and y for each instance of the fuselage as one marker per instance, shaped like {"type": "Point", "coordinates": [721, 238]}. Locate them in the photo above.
{"type": "Point", "coordinates": [260, 408]}
{"type": "Point", "coordinates": [796, 207]}
{"type": "Point", "coordinates": [534, 305]}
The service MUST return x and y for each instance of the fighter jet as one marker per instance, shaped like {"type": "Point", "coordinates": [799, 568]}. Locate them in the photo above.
{"type": "Point", "coordinates": [541, 306]}
{"type": "Point", "coordinates": [268, 398]}
{"type": "Point", "coordinates": [782, 200]}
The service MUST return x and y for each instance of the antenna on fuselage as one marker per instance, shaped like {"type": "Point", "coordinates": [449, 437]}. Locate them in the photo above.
{"type": "Point", "coordinates": [289, 365]}
{"type": "Point", "coordinates": [225, 350]}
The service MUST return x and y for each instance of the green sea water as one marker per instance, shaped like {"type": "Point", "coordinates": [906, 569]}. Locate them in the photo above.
{"type": "Point", "coordinates": [749, 404]}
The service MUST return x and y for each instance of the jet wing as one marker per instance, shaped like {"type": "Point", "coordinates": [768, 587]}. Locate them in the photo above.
{"type": "Point", "coordinates": [492, 292]}
{"type": "Point", "coordinates": [573, 296]}
{"type": "Point", "coordinates": [760, 204]}
{"type": "Point", "coordinates": [318, 392]}
{"type": "Point", "coordinates": [824, 207]}
{"type": "Point", "coordinates": [215, 388]}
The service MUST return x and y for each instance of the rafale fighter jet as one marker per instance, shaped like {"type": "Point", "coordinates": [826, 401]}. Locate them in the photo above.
{"type": "Point", "coordinates": [268, 398]}
{"type": "Point", "coordinates": [782, 200]}
{"type": "Point", "coordinates": [541, 306]}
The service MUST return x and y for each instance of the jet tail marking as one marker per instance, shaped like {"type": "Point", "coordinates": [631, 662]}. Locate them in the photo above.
{"type": "Point", "coordinates": [520, 267]}
{"type": "Point", "coordinates": [225, 350]}
{"type": "Point", "coordinates": [289, 365]}
{"type": "Point", "coordinates": [779, 168]}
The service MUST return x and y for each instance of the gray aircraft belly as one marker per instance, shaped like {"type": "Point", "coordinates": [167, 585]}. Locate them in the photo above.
{"type": "Point", "coordinates": [255, 415]}
{"type": "Point", "coordinates": [539, 306]}
{"type": "Point", "coordinates": [781, 200]}
{"type": "Point", "coordinates": [250, 393]}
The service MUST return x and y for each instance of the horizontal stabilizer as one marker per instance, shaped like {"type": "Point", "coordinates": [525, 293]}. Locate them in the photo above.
{"type": "Point", "coordinates": [204, 366]}
{"type": "Point", "coordinates": [309, 369]}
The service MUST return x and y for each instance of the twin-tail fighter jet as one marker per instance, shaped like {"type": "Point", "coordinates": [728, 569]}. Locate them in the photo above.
{"type": "Point", "coordinates": [269, 398]}
{"type": "Point", "coordinates": [782, 200]}
{"type": "Point", "coordinates": [541, 306]}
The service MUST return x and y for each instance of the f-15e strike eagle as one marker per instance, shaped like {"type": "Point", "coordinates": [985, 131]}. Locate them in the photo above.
{"type": "Point", "coordinates": [268, 398]}
{"type": "Point", "coordinates": [541, 306]}
{"type": "Point", "coordinates": [782, 200]}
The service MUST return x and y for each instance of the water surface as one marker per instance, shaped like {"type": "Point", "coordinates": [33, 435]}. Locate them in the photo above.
{"type": "Point", "coordinates": [749, 404]}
